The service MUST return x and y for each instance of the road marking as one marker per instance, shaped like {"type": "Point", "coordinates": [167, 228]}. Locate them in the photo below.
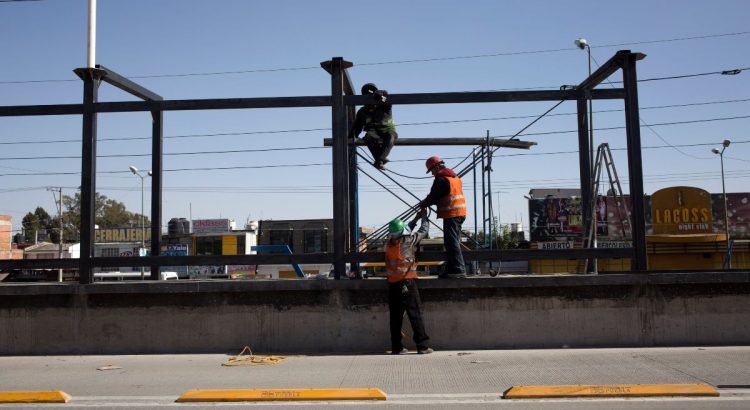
{"type": "Point", "coordinates": [280, 395]}
{"type": "Point", "coordinates": [611, 390]}
{"type": "Point", "coordinates": [55, 396]}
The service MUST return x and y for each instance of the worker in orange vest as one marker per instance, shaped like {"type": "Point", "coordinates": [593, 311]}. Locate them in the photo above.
{"type": "Point", "coordinates": [447, 193]}
{"type": "Point", "coordinates": [403, 294]}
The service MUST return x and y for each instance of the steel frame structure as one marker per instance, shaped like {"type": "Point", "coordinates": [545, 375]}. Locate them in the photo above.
{"type": "Point", "coordinates": [342, 102]}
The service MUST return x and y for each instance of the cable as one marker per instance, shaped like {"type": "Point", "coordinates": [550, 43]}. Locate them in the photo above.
{"type": "Point", "coordinates": [424, 60]}
{"type": "Point", "coordinates": [400, 125]}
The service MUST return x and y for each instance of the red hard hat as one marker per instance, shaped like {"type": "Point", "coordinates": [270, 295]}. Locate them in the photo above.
{"type": "Point", "coordinates": [432, 162]}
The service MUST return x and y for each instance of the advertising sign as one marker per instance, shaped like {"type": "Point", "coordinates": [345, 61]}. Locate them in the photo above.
{"type": "Point", "coordinates": [111, 235]}
{"type": "Point", "coordinates": [177, 249]}
{"type": "Point", "coordinates": [555, 245]}
{"type": "Point", "coordinates": [681, 210]}
{"type": "Point", "coordinates": [738, 210]}
{"type": "Point", "coordinates": [556, 219]}
{"type": "Point", "coordinates": [211, 225]}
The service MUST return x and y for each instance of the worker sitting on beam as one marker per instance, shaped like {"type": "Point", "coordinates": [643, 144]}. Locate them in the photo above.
{"type": "Point", "coordinates": [377, 122]}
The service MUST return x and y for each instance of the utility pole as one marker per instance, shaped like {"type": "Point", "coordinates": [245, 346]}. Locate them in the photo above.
{"type": "Point", "coordinates": [58, 202]}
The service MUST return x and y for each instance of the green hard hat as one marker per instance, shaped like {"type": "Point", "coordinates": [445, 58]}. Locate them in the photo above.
{"type": "Point", "coordinates": [396, 226]}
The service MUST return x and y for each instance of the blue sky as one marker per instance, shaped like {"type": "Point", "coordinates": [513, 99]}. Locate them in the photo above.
{"type": "Point", "coordinates": [529, 43]}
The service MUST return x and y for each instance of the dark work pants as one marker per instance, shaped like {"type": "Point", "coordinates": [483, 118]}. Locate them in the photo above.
{"type": "Point", "coordinates": [380, 144]}
{"type": "Point", "coordinates": [398, 302]}
{"type": "Point", "coordinates": [452, 242]}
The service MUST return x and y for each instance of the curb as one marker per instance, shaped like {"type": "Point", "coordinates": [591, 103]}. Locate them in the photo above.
{"type": "Point", "coordinates": [610, 390]}
{"type": "Point", "coordinates": [199, 395]}
{"type": "Point", "coordinates": [54, 396]}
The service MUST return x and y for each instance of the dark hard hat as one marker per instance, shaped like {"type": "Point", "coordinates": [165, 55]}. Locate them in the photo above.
{"type": "Point", "coordinates": [368, 88]}
{"type": "Point", "coordinates": [432, 162]}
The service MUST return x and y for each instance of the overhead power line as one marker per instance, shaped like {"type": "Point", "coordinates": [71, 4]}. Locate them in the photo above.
{"type": "Point", "coordinates": [313, 148]}
{"type": "Point", "coordinates": [409, 61]}
{"type": "Point", "coordinates": [301, 130]}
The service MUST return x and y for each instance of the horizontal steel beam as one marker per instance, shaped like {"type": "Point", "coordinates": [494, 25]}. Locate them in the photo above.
{"type": "Point", "coordinates": [34, 110]}
{"type": "Point", "coordinates": [495, 142]}
{"type": "Point", "coordinates": [507, 255]}
{"type": "Point", "coordinates": [40, 264]}
{"type": "Point", "coordinates": [169, 105]}
{"type": "Point", "coordinates": [488, 96]}
{"type": "Point", "coordinates": [278, 259]}
{"type": "Point", "coordinates": [300, 102]}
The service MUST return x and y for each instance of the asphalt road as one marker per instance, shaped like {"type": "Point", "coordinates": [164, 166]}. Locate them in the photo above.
{"type": "Point", "coordinates": [442, 380]}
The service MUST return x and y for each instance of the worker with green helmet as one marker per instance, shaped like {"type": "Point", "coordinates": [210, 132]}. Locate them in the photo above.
{"type": "Point", "coordinates": [376, 121]}
{"type": "Point", "coordinates": [403, 294]}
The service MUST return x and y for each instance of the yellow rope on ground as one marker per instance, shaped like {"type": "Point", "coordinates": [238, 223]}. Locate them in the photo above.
{"type": "Point", "coordinates": [252, 360]}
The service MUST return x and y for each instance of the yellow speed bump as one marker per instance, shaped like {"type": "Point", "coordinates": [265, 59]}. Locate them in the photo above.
{"type": "Point", "coordinates": [610, 390]}
{"type": "Point", "coordinates": [280, 395]}
{"type": "Point", "coordinates": [56, 396]}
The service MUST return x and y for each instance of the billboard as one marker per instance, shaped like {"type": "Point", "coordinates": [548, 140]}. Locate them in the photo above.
{"type": "Point", "coordinates": [681, 210]}
{"type": "Point", "coordinates": [111, 235]}
{"type": "Point", "coordinates": [673, 212]}
{"type": "Point", "coordinates": [559, 219]}
{"type": "Point", "coordinates": [738, 210]}
{"type": "Point", "coordinates": [176, 249]}
{"type": "Point", "coordinates": [212, 225]}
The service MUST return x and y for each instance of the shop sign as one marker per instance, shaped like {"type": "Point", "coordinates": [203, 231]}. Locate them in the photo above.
{"type": "Point", "coordinates": [681, 210]}
{"type": "Point", "coordinates": [108, 235]}
{"type": "Point", "coordinates": [211, 225]}
{"type": "Point", "coordinates": [555, 245]}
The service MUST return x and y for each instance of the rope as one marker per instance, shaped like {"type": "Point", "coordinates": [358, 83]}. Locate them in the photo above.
{"type": "Point", "coordinates": [251, 359]}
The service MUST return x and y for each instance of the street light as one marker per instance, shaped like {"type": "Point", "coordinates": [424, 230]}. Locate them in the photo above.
{"type": "Point", "coordinates": [135, 171]}
{"type": "Point", "coordinates": [583, 44]}
{"type": "Point", "coordinates": [724, 146]}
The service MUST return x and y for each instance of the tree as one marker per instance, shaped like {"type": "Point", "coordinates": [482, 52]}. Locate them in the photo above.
{"type": "Point", "coordinates": [39, 220]}
{"type": "Point", "coordinates": [501, 238]}
{"type": "Point", "coordinates": [109, 213]}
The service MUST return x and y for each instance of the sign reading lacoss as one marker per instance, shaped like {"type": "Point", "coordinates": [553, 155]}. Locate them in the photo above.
{"type": "Point", "coordinates": [103, 235]}
{"type": "Point", "coordinates": [681, 210]}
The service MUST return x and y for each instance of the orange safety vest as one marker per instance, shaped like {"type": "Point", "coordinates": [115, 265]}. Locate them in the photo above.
{"type": "Point", "coordinates": [399, 261]}
{"type": "Point", "coordinates": [453, 205]}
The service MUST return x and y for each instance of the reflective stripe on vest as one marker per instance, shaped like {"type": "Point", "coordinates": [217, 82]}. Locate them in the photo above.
{"type": "Point", "coordinates": [453, 205]}
{"type": "Point", "coordinates": [397, 265]}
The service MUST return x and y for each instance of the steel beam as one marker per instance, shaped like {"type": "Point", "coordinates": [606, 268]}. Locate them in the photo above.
{"type": "Point", "coordinates": [91, 80]}
{"type": "Point", "coordinates": [157, 139]}
{"type": "Point", "coordinates": [111, 77]}
{"type": "Point", "coordinates": [635, 161]}
{"type": "Point", "coordinates": [488, 96]}
{"type": "Point", "coordinates": [340, 164]}
{"type": "Point", "coordinates": [495, 142]}
{"type": "Point", "coordinates": [584, 167]}
{"type": "Point", "coordinates": [607, 69]}
{"type": "Point", "coordinates": [301, 102]}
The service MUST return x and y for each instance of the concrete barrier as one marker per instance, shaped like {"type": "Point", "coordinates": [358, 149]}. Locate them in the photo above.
{"type": "Point", "coordinates": [327, 316]}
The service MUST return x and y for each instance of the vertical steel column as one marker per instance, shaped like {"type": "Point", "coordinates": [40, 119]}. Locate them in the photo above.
{"type": "Point", "coordinates": [485, 231]}
{"type": "Point", "coordinates": [474, 174]}
{"type": "Point", "coordinates": [157, 138]}
{"type": "Point", "coordinates": [353, 194]}
{"type": "Point", "coordinates": [635, 162]}
{"type": "Point", "coordinates": [340, 166]}
{"type": "Point", "coordinates": [584, 158]}
{"type": "Point", "coordinates": [488, 170]}
{"type": "Point", "coordinates": [92, 78]}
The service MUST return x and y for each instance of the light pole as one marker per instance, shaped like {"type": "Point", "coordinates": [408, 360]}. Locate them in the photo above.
{"type": "Point", "coordinates": [583, 44]}
{"type": "Point", "coordinates": [135, 171]}
{"type": "Point", "coordinates": [724, 146]}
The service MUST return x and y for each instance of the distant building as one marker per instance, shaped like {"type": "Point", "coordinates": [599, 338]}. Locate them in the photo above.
{"type": "Point", "coordinates": [49, 250]}
{"type": "Point", "coordinates": [7, 250]}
